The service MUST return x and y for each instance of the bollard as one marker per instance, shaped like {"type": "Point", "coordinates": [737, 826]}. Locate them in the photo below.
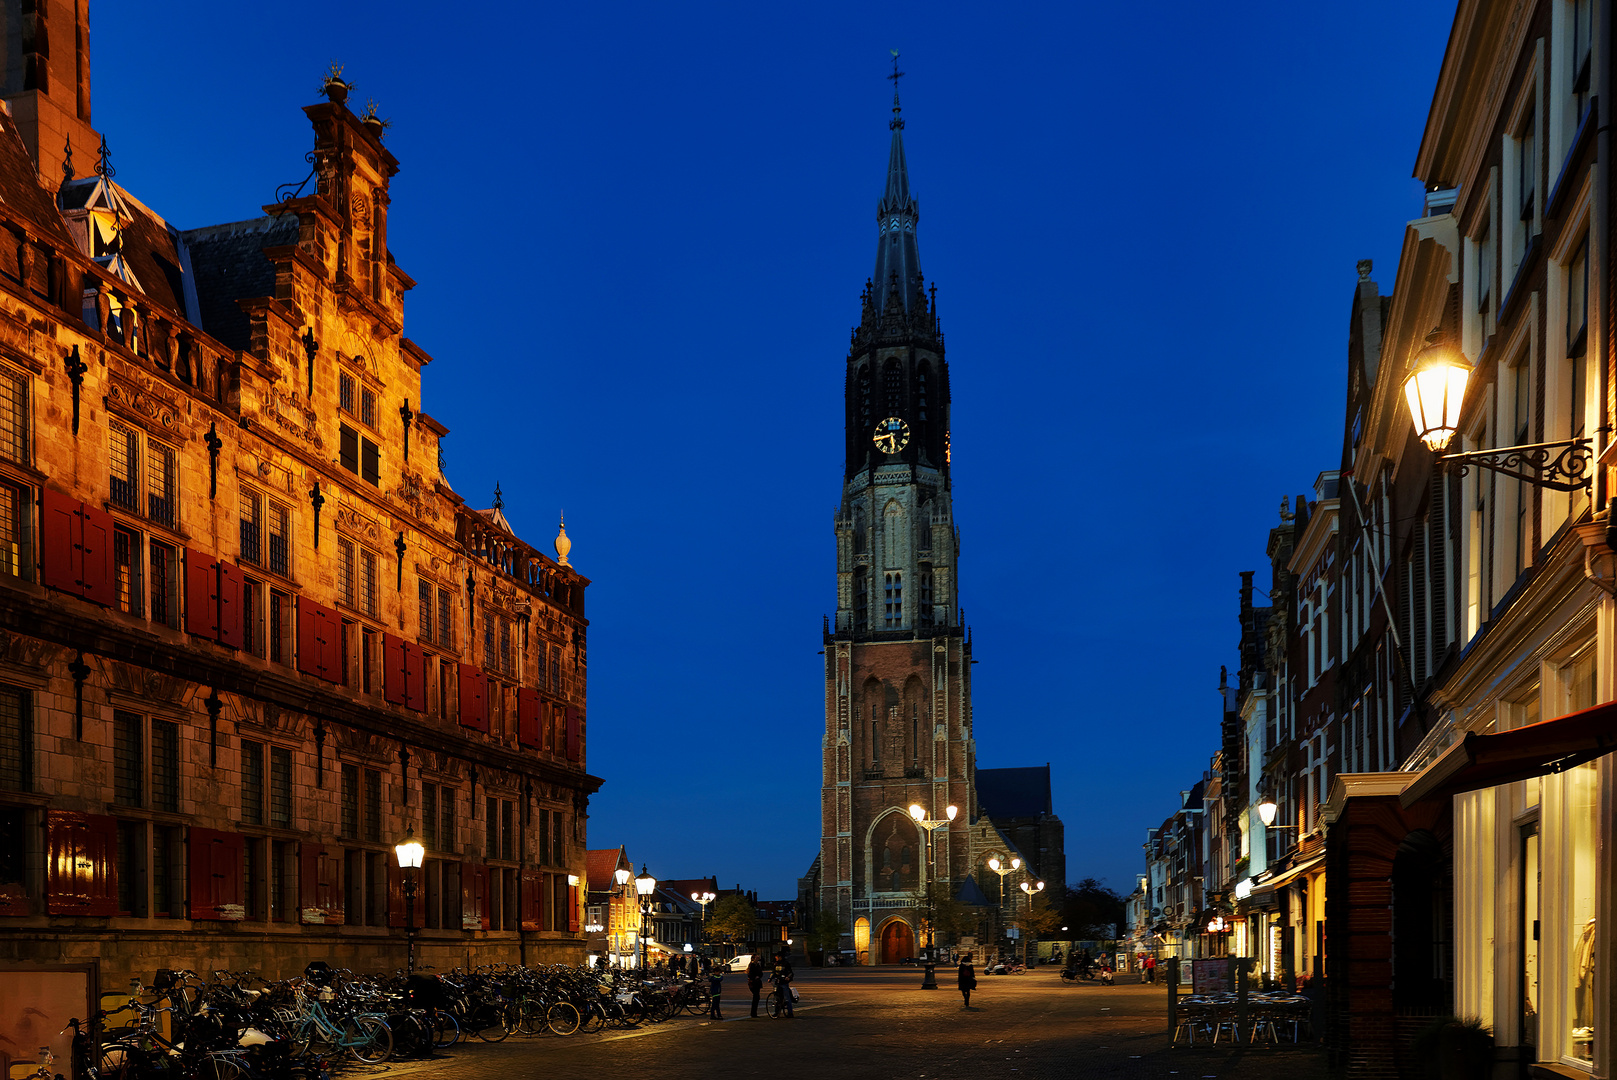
{"type": "Point", "coordinates": [1173, 996]}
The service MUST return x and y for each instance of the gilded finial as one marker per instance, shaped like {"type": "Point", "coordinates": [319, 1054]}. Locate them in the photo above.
{"type": "Point", "coordinates": [563, 544]}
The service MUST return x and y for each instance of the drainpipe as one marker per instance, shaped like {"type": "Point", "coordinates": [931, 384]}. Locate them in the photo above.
{"type": "Point", "coordinates": [1600, 247]}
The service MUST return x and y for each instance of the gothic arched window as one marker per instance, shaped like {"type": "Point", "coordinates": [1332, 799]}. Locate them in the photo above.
{"type": "Point", "coordinates": [861, 599]}
{"type": "Point", "coordinates": [866, 424]}
{"type": "Point", "coordinates": [926, 598]}
{"type": "Point", "coordinates": [920, 392]}
{"type": "Point", "coordinates": [892, 380]}
{"type": "Point", "coordinates": [894, 599]}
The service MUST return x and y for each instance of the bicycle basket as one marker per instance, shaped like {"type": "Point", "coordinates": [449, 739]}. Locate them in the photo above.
{"type": "Point", "coordinates": [318, 973]}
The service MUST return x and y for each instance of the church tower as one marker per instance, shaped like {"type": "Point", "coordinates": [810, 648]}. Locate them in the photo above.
{"type": "Point", "coordinates": [897, 659]}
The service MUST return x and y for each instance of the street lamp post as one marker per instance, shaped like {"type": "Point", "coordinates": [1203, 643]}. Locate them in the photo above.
{"type": "Point", "coordinates": [645, 885]}
{"type": "Point", "coordinates": [1002, 869]}
{"type": "Point", "coordinates": [410, 852]}
{"type": "Point", "coordinates": [1031, 888]}
{"type": "Point", "coordinates": [929, 980]}
{"type": "Point", "coordinates": [621, 875]}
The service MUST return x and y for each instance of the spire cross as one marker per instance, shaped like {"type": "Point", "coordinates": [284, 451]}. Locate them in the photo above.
{"type": "Point", "coordinates": [897, 121]}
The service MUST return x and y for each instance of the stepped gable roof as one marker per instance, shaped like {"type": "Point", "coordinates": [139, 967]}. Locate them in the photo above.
{"type": "Point", "coordinates": [228, 264]}
{"type": "Point", "coordinates": [19, 186]}
{"type": "Point", "coordinates": [1014, 793]}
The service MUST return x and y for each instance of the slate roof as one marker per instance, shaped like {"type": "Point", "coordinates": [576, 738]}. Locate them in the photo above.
{"type": "Point", "coordinates": [228, 264]}
{"type": "Point", "coordinates": [1014, 793]}
{"type": "Point", "coordinates": [971, 893]}
{"type": "Point", "coordinates": [19, 186]}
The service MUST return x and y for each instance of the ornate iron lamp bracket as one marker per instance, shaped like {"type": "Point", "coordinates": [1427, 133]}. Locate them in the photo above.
{"type": "Point", "coordinates": [1562, 466]}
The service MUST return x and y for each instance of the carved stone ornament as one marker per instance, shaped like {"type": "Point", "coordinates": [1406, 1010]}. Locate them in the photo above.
{"type": "Point", "coordinates": [138, 394]}
{"type": "Point", "coordinates": [141, 682]}
{"type": "Point", "coordinates": [418, 495]}
{"type": "Point", "coordinates": [24, 652]}
{"type": "Point", "coordinates": [288, 413]}
{"type": "Point", "coordinates": [350, 520]}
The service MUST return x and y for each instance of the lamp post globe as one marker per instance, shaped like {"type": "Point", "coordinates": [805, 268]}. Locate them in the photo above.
{"type": "Point", "coordinates": [1435, 390]}
{"type": "Point", "coordinates": [644, 885]}
{"type": "Point", "coordinates": [1266, 811]}
{"type": "Point", "coordinates": [410, 853]}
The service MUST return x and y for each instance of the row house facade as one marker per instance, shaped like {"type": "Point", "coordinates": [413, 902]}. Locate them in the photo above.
{"type": "Point", "coordinates": [1427, 701]}
{"type": "Point", "coordinates": [250, 638]}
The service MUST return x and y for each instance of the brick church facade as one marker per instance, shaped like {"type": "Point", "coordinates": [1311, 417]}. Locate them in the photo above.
{"type": "Point", "coordinates": [249, 635]}
{"type": "Point", "coordinates": [898, 719]}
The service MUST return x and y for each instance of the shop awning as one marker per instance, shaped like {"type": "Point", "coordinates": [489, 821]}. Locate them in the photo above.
{"type": "Point", "coordinates": [1287, 876]}
{"type": "Point", "coordinates": [1549, 746]}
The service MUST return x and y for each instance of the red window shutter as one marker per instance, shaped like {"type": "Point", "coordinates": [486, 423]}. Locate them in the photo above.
{"type": "Point", "coordinates": [309, 638]}
{"type": "Point", "coordinates": [528, 717]}
{"type": "Point", "coordinates": [61, 542]}
{"type": "Point", "coordinates": [331, 645]}
{"type": "Point", "coordinates": [201, 594]}
{"type": "Point", "coordinates": [395, 675]}
{"type": "Point", "coordinates": [395, 892]}
{"type": "Point", "coordinates": [96, 574]}
{"type": "Point", "coordinates": [572, 909]}
{"type": "Point", "coordinates": [473, 885]}
{"type": "Point", "coordinates": [319, 641]}
{"type": "Point", "coordinates": [81, 869]}
{"type": "Point", "coordinates": [473, 702]}
{"type": "Point", "coordinates": [415, 678]}
{"type": "Point", "coordinates": [230, 608]}
{"type": "Point", "coordinates": [329, 889]}
{"type": "Point", "coordinates": [99, 864]}
{"type": "Point", "coordinates": [575, 734]}
{"type": "Point", "coordinates": [532, 900]}
{"type": "Point", "coordinates": [215, 874]}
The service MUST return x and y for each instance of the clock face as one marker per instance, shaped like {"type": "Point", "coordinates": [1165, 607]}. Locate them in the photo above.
{"type": "Point", "coordinates": [892, 435]}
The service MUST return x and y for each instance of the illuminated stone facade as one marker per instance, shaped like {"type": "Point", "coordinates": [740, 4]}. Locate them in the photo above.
{"type": "Point", "coordinates": [249, 635]}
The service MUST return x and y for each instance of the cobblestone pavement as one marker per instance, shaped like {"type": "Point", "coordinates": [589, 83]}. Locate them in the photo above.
{"type": "Point", "coordinates": [879, 1023]}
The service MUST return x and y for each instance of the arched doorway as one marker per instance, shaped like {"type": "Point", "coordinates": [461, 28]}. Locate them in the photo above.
{"type": "Point", "coordinates": [897, 942]}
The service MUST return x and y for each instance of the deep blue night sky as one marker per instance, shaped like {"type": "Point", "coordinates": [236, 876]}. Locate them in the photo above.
{"type": "Point", "coordinates": [639, 233]}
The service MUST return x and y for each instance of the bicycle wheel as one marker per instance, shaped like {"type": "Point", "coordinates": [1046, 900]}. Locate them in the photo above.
{"type": "Point", "coordinates": [592, 1018]}
{"type": "Point", "coordinates": [222, 1067]}
{"type": "Point", "coordinates": [692, 1001]}
{"type": "Point", "coordinates": [445, 1029]}
{"type": "Point", "coordinates": [530, 1017]}
{"type": "Point", "coordinates": [115, 1061]}
{"type": "Point", "coordinates": [368, 1039]}
{"type": "Point", "coordinates": [562, 1018]}
{"type": "Point", "coordinates": [773, 1006]}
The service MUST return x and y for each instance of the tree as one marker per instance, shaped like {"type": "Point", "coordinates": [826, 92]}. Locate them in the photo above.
{"type": "Point", "coordinates": [1042, 916]}
{"type": "Point", "coordinates": [952, 918]}
{"type": "Point", "coordinates": [1090, 904]}
{"type": "Point", "coordinates": [731, 920]}
{"type": "Point", "coordinates": [825, 935]}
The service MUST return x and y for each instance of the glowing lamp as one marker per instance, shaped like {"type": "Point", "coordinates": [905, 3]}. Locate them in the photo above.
{"type": "Point", "coordinates": [1435, 390]}
{"type": "Point", "coordinates": [917, 812]}
{"type": "Point", "coordinates": [622, 874]}
{"type": "Point", "coordinates": [645, 884]}
{"type": "Point", "coordinates": [1266, 811]}
{"type": "Point", "coordinates": [410, 852]}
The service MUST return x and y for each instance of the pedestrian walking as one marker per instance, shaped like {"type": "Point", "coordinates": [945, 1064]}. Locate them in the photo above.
{"type": "Point", "coordinates": [715, 986]}
{"type": "Point", "coordinates": [1151, 969]}
{"type": "Point", "coordinates": [755, 981]}
{"type": "Point", "coordinates": [783, 976]}
{"type": "Point", "coordinates": [968, 979]}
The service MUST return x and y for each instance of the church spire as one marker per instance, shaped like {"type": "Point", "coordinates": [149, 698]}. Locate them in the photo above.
{"type": "Point", "coordinates": [898, 259]}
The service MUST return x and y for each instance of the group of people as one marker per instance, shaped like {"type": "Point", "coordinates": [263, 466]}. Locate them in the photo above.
{"type": "Point", "coordinates": [780, 973]}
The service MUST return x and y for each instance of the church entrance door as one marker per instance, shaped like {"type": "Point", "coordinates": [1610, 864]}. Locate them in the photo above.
{"type": "Point", "coordinates": [897, 942]}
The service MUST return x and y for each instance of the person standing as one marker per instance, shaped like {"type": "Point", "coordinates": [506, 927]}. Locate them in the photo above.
{"type": "Point", "coordinates": [968, 979]}
{"type": "Point", "coordinates": [755, 981]}
{"type": "Point", "coordinates": [782, 977]}
{"type": "Point", "coordinates": [1151, 969]}
{"type": "Point", "coordinates": [715, 985]}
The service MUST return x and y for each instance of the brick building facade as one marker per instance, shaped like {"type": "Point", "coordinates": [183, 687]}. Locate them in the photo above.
{"type": "Point", "coordinates": [249, 636]}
